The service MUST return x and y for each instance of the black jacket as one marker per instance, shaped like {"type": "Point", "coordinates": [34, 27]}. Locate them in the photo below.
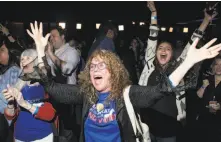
{"type": "Point", "coordinates": [140, 96]}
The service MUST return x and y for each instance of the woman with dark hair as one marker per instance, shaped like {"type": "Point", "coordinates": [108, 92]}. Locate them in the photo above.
{"type": "Point", "coordinates": [101, 85]}
{"type": "Point", "coordinates": [165, 115]}
{"type": "Point", "coordinates": [9, 72]}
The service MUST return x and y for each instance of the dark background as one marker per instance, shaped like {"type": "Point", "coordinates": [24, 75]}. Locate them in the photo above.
{"type": "Point", "coordinates": [18, 15]}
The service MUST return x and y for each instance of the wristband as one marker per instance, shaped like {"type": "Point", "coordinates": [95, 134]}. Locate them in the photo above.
{"type": "Point", "coordinates": [153, 17]}
{"type": "Point", "coordinates": [36, 111]}
{"type": "Point", "coordinates": [203, 87]}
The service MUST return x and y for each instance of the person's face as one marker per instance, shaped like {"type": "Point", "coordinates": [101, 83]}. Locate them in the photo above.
{"type": "Point", "coordinates": [100, 75]}
{"type": "Point", "coordinates": [134, 43]}
{"type": "Point", "coordinates": [164, 53]}
{"type": "Point", "coordinates": [110, 34]}
{"type": "Point", "coordinates": [56, 39]}
{"type": "Point", "coordinates": [4, 56]}
{"type": "Point", "coordinates": [217, 67]}
{"type": "Point", "coordinates": [27, 64]}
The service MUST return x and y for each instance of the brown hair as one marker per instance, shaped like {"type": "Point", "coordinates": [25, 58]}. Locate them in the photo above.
{"type": "Point", "coordinates": [119, 76]}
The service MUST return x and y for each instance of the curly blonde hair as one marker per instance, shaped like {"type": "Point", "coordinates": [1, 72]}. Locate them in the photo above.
{"type": "Point", "coordinates": [119, 76]}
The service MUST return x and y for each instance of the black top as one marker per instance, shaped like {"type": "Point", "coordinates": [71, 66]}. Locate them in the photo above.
{"type": "Point", "coordinates": [210, 92]}
{"type": "Point", "coordinates": [140, 96]}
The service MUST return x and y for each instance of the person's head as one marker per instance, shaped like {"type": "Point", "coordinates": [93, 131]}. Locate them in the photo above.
{"type": "Point", "coordinates": [4, 55]}
{"type": "Point", "coordinates": [134, 43]}
{"type": "Point", "coordinates": [57, 37]}
{"type": "Point", "coordinates": [216, 66]}
{"type": "Point", "coordinates": [28, 60]}
{"type": "Point", "coordinates": [104, 72]}
{"type": "Point", "coordinates": [164, 53]}
{"type": "Point", "coordinates": [109, 30]}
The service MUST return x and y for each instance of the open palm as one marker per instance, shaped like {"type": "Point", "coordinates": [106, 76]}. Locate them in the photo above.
{"type": "Point", "coordinates": [37, 35]}
{"type": "Point", "coordinates": [195, 55]}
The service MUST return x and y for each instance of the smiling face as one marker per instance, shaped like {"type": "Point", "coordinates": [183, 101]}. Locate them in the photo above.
{"type": "Point", "coordinates": [164, 53]}
{"type": "Point", "coordinates": [100, 75]}
{"type": "Point", "coordinates": [26, 64]}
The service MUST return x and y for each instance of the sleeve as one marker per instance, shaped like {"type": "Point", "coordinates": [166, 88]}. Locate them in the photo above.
{"type": "Point", "coordinates": [151, 44]}
{"type": "Point", "coordinates": [63, 93]}
{"type": "Point", "coordinates": [72, 59]}
{"type": "Point", "coordinates": [46, 112]}
{"type": "Point", "coordinates": [145, 96]}
{"type": "Point", "coordinates": [195, 35]}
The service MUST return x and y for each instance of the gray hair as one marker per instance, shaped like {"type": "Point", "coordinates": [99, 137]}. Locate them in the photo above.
{"type": "Point", "coordinates": [31, 53]}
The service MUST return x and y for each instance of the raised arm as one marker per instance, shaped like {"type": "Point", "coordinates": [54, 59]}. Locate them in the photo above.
{"type": "Point", "coordinates": [143, 96]}
{"type": "Point", "coordinates": [151, 45]}
{"type": "Point", "coordinates": [63, 93]}
{"type": "Point", "coordinates": [198, 33]}
{"type": "Point", "coordinates": [152, 40]}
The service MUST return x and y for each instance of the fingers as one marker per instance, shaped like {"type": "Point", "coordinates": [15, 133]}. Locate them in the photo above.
{"type": "Point", "coordinates": [47, 36]}
{"type": "Point", "coordinates": [212, 55]}
{"type": "Point", "coordinates": [4, 91]}
{"type": "Point", "coordinates": [32, 28]}
{"type": "Point", "coordinates": [209, 43]}
{"type": "Point", "coordinates": [195, 42]}
{"type": "Point", "coordinates": [36, 26]}
{"type": "Point", "coordinates": [40, 28]}
{"type": "Point", "coordinates": [30, 34]}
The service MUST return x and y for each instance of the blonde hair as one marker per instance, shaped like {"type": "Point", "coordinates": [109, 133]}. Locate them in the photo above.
{"type": "Point", "coordinates": [119, 76]}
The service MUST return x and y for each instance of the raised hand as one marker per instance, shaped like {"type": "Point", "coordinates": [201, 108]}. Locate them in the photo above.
{"type": "Point", "coordinates": [37, 35]}
{"type": "Point", "coordinates": [195, 55]}
{"type": "Point", "coordinates": [213, 15]}
{"type": "Point", "coordinates": [4, 30]}
{"type": "Point", "coordinates": [151, 6]}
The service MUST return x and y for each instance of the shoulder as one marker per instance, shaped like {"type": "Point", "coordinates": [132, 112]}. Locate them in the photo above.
{"type": "Point", "coordinates": [71, 50]}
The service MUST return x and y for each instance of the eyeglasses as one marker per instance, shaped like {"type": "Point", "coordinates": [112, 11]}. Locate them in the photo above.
{"type": "Point", "coordinates": [100, 66]}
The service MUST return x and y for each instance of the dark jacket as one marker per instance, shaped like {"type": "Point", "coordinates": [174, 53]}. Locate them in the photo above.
{"type": "Point", "coordinates": [140, 96]}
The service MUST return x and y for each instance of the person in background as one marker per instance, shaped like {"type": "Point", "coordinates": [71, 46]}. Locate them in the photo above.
{"type": "Point", "coordinates": [64, 61]}
{"type": "Point", "coordinates": [33, 115]}
{"type": "Point", "coordinates": [105, 38]}
{"type": "Point", "coordinates": [9, 72]}
{"type": "Point", "coordinates": [167, 114]}
{"type": "Point", "coordinates": [210, 114]}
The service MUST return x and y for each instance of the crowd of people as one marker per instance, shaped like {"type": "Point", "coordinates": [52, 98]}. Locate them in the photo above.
{"type": "Point", "coordinates": [50, 92]}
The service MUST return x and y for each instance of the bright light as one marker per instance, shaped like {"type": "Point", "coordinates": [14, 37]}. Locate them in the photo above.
{"type": "Point", "coordinates": [62, 24]}
{"type": "Point", "coordinates": [121, 27]}
{"type": "Point", "coordinates": [98, 25]}
{"type": "Point", "coordinates": [133, 23]}
{"type": "Point", "coordinates": [163, 29]}
{"type": "Point", "coordinates": [171, 29]}
{"type": "Point", "coordinates": [78, 26]}
{"type": "Point", "coordinates": [142, 23]}
{"type": "Point", "coordinates": [185, 30]}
